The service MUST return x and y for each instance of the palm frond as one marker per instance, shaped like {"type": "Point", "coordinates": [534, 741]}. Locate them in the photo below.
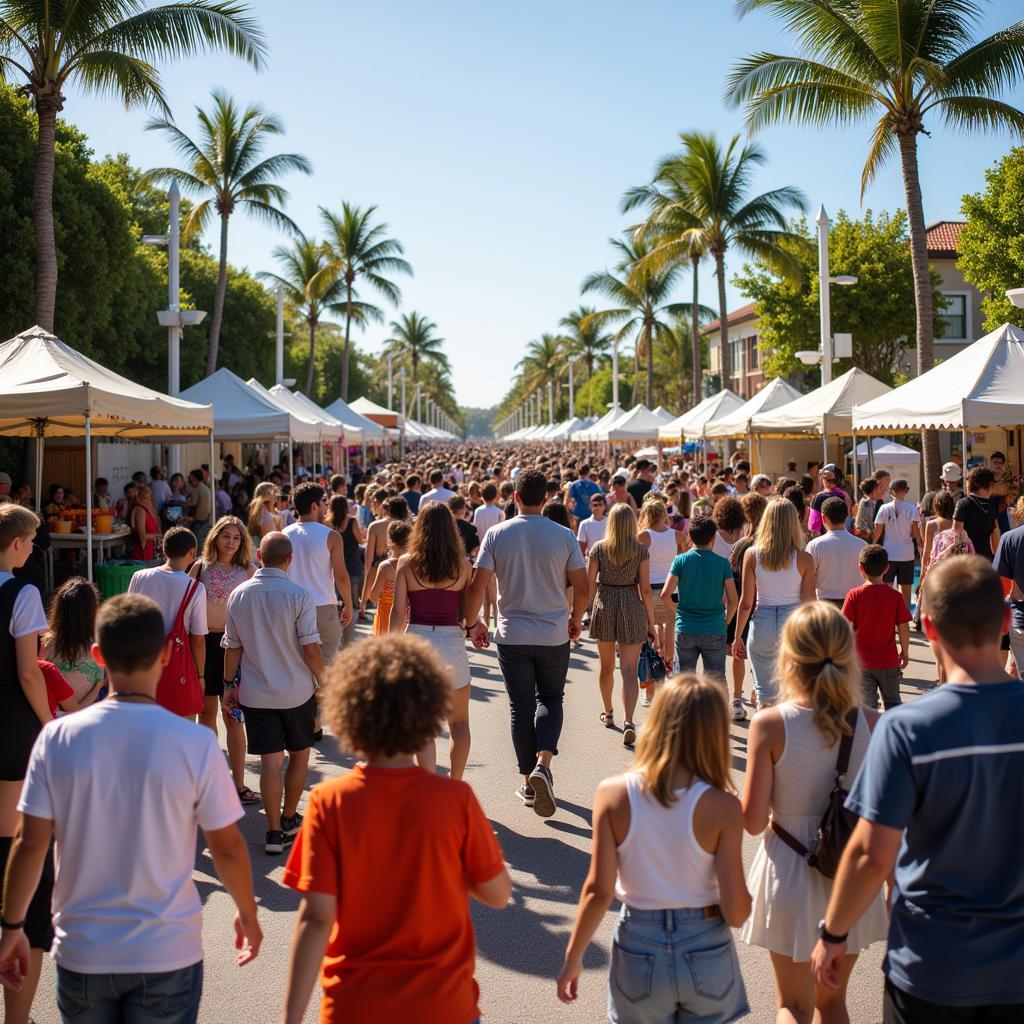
{"type": "Point", "coordinates": [121, 76]}
{"type": "Point", "coordinates": [980, 113]}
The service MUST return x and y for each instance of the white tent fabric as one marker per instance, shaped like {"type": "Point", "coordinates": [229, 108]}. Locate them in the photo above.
{"type": "Point", "coordinates": [591, 433]}
{"type": "Point", "coordinates": [564, 429]}
{"type": "Point", "coordinates": [980, 386]}
{"type": "Point", "coordinates": [773, 395]}
{"type": "Point", "coordinates": [304, 430]}
{"type": "Point", "coordinates": [639, 424]}
{"type": "Point", "coordinates": [240, 413]}
{"type": "Point", "coordinates": [307, 403]}
{"type": "Point", "coordinates": [663, 414]}
{"type": "Point", "coordinates": [365, 407]}
{"type": "Point", "coordinates": [353, 421]}
{"type": "Point", "coordinates": [331, 429]}
{"type": "Point", "coordinates": [693, 422]}
{"type": "Point", "coordinates": [826, 411]}
{"type": "Point", "coordinates": [46, 388]}
{"type": "Point", "coordinates": [890, 452]}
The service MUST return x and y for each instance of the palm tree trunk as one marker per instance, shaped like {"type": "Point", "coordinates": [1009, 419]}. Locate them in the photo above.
{"type": "Point", "coordinates": [312, 354]}
{"type": "Point", "coordinates": [218, 298]}
{"type": "Point", "coordinates": [47, 106]}
{"type": "Point", "coordinates": [922, 293]}
{"type": "Point", "coordinates": [344, 351]}
{"type": "Point", "coordinates": [650, 368]}
{"type": "Point", "coordinates": [636, 370]}
{"type": "Point", "coordinates": [723, 322]}
{"type": "Point", "coordinates": [695, 333]}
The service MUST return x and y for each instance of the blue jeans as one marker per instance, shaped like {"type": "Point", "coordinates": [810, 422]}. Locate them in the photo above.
{"type": "Point", "coordinates": [765, 629]}
{"type": "Point", "coordinates": [168, 998]}
{"type": "Point", "coordinates": [709, 646]}
{"type": "Point", "coordinates": [670, 966]}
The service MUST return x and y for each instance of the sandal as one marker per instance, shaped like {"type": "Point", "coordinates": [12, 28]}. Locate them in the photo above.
{"type": "Point", "coordinates": [608, 719]}
{"type": "Point", "coordinates": [628, 734]}
{"type": "Point", "coordinates": [248, 796]}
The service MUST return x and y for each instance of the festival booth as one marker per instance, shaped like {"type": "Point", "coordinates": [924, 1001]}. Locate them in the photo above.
{"type": "Point", "coordinates": [48, 389]}
{"type": "Point", "coordinates": [304, 402]}
{"type": "Point", "coordinates": [977, 390]}
{"type": "Point", "coordinates": [896, 459]}
{"type": "Point", "coordinates": [387, 418]}
{"type": "Point", "coordinates": [591, 433]}
{"type": "Point", "coordinates": [693, 422]}
{"type": "Point", "coordinates": [825, 413]}
{"type": "Point", "coordinates": [563, 430]}
{"type": "Point", "coordinates": [286, 400]}
{"type": "Point", "coordinates": [639, 424]}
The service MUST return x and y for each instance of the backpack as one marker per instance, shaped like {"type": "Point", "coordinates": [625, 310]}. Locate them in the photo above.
{"type": "Point", "coordinates": [180, 689]}
{"type": "Point", "coordinates": [836, 823]}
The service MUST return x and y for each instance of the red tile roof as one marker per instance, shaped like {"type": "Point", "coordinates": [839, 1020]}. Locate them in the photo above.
{"type": "Point", "coordinates": [737, 316]}
{"type": "Point", "coordinates": [944, 238]}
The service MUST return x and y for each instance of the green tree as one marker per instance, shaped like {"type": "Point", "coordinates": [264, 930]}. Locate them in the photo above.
{"type": "Point", "coordinates": [992, 243]}
{"type": "Point", "coordinates": [107, 47]}
{"type": "Point", "coordinates": [360, 250]}
{"type": "Point", "coordinates": [587, 342]}
{"type": "Point", "coordinates": [544, 361]}
{"type": "Point", "coordinates": [900, 61]}
{"type": "Point", "coordinates": [415, 343]}
{"type": "Point", "coordinates": [310, 292]}
{"type": "Point", "coordinates": [226, 167]}
{"type": "Point", "coordinates": [878, 311]}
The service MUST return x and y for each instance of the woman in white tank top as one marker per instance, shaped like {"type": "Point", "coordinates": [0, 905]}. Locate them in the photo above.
{"type": "Point", "coordinates": [667, 843]}
{"type": "Point", "coordinates": [790, 773]}
{"type": "Point", "coordinates": [777, 576]}
{"type": "Point", "coordinates": [664, 543]}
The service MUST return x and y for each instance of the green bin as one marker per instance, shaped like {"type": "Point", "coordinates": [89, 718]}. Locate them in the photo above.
{"type": "Point", "coordinates": [113, 577]}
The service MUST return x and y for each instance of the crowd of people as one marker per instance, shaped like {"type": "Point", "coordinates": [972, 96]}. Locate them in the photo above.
{"type": "Point", "coordinates": [247, 618]}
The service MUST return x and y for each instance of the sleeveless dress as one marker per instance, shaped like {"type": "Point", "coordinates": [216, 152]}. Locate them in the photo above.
{"type": "Point", "coordinates": [385, 602]}
{"type": "Point", "coordinates": [140, 553]}
{"type": "Point", "coordinates": [618, 615]}
{"type": "Point", "coordinates": [789, 896]}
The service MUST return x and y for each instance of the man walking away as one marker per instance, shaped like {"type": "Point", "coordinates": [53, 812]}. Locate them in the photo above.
{"type": "Point", "coordinates": [939, 796]}
{"type": "Point", "coordinates": [412, 493]}
{"type": "Point", "coordinates": [200, 506]}
{"type": "Point", "coordinates": [271, 633]}
{"type": "Point", "coordinates": [1009, 563]}
{"type": "Point", "coordinates": [438, 491]}
{"type": "Point", "coordinates": [532, 557]}
{"type": "Point", "coordinates": [836, 555]}
{"type": "Point", "coordinates": [580, 493]}
{"type": "Point", "coordinates": [976, 514]}
{"type": "Point", "coordinates": [123, 786]}
{"type": "Point", "coordinates": [318, 564]}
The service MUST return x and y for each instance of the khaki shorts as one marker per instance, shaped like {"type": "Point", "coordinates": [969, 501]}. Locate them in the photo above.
{"type": "Point", "coordinates": [328, 625]}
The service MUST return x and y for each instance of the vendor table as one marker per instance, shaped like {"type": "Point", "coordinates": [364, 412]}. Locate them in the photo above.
{"type": "Point", "coordinates": [102, 543]}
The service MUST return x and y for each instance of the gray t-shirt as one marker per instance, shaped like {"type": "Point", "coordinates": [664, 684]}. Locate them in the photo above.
{"type": "Point", "coordinates": [530, 557]}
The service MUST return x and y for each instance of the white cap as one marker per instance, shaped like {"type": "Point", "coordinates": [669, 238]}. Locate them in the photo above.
{"type": "Point", "coordinates": [951, 472]}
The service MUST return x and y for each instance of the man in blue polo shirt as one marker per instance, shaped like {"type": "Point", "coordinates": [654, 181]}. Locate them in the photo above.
{"type": "Point", "coordinates": [940, 796]}
{"type": "Point", "coordinates": [580, 493]}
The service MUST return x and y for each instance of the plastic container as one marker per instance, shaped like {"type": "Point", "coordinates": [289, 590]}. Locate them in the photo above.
{"type": "Point", "coordinates": [113, 578]}
{"type": "Point", "coordinates": [103, 523]}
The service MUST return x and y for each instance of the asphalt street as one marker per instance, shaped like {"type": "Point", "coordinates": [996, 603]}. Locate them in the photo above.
{"type": "Point", "coordinates": [519, 949]}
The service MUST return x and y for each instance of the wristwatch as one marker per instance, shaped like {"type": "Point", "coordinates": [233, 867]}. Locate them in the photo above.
{"type": "Point", "coordinates": [826, 936]}
{"type": "Point", "coordinates": [229, 682]}
{"type": "Point", "coordinates": [11, 926]}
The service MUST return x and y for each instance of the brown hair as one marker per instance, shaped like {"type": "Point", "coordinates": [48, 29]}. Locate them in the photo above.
{"type": "Point", "coordinates": [399, 533]}
{"type": "Point", "coordinates": [436, 553]}
{"type": "Point", "coordinates": [72, 620]}
{"type": "Point", "coordinates": [965, 601]}
{"type": "Point", "coordinates": [337, 513]}
{"type": "Point", "coordinates": [130, 632]}
{"type": "Point", "coordinates": [753, 505]}
{"type": "Point", "coordinates": [242, 557]}
{"type": "Point", "coordinates": [16, 521]}
{"type": "Point", "coordinates": [386, 696]}
{"type": "Point", "coordinates": [728, 514]}
{"type": "Point", "coordinates": [688, 726]}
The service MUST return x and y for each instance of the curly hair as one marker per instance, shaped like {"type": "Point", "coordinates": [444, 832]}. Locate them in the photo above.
{"type": "Point", "coordinates": [435, 550]}
{"type": "Point", "coordinates": [386, 696]}
{"type": "Point", "coordinates": [728, 514]}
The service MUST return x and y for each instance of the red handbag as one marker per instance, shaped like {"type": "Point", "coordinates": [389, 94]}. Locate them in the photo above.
{"type": "Point", "coordinates": [180, 689]}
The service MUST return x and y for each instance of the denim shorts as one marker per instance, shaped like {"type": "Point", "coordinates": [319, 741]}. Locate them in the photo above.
{"type": "Point", "coordinates": [708, 647]}
{"type": "Point", "coordinates": [674, 965]}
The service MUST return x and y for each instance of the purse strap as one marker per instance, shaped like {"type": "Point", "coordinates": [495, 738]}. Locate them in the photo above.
{"type": "Point", "coordinates": [179, 619]}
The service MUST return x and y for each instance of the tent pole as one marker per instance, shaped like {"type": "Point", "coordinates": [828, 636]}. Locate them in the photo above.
{"type": "Point", "coordinates": [291, 462]}
{"type": "Point", "coordinates": [39, 466]}
{"type": "Point", "coordinates": [750, 453]}
{"type": "Point", "coordinates": [88, 495]}
{"type": "Point", "coordinates": [856, 467]}
{"type": "Point", "coordinates": [213, 481]}
{"type": "Point", "coordinates": [760, 458]}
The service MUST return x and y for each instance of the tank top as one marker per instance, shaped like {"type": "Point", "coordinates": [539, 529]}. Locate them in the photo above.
{"type": "Point", "coordinates": [661, 864]}
{"type": "Point", "coordinates": [353, 553]}
{"type": "Point", "coordinates": [435, 607]}
{"type": "Point", "coordinates": [777, 586]}
{"type": "Point", "coordinates": [663, 551]}
{"type": "Point", "coordinates": [311, 560]}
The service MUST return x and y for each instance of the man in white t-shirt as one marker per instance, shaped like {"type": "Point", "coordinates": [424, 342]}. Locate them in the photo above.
{"type": "Point", "coordinates": [123, 786]}
{"type": "Point", "coordinates": [593, 529]}
{"type": "Point", "coordinates": [901, 521]}
{"type": "Point", "coordinates": [836, 555]}
{"type": "Point", "coordinates": [488, 514]}
{"type": "Point", "coordinates": [438, 491]}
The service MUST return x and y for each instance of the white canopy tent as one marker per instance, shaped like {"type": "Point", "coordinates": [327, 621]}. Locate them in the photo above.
{"type": "Point", "coordinates": [896, 459]}
{"type": "Point", "coordinates": [773, 395]}
{"type": "Point", "coordinates": [565, 428]}
{"type": "Point", "coordinates": [591, 433]}
{"type": "Point", "coordinates": [304, 430]}
{"type": "Point", "coordinates": [47, 389]}
{"type": "Point", "coordinates": [357, 428]}
{"type": "Point", "coordinates": [692, 422]}
{"type": "Point", "coordinates": [639, 424]}
{"type": "Point", "coordinates": [662, 413]}
{"type": "Point", "coordinates": [332, 431]}
{"type": "Point", "coordinates": [369, 409]}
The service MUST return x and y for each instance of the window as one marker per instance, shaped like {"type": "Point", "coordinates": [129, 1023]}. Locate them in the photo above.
{"type": "Point", "coordinates": [755, 354]}
{"type": "Point", "coordinates": [952, 321]}
{"type": "Point", "coordinates": [737, 356]}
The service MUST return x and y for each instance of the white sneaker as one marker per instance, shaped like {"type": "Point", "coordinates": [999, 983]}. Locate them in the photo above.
{"type": "Point", "coordinates": [739, 712]}
{"type": "Point", "coordinates": [645, 697]}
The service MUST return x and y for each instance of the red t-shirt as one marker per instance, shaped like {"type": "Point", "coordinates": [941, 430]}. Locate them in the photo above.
{"type": "Point", "coordinates": [57, 687]}
{"type": "Point", "coordinates": [876, 609]}
{"type": "Point", "coordinates": [399, 848]}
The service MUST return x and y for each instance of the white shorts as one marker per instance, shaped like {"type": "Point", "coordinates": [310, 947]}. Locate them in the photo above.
{"type": "Point", "coordinates": [449, 642]}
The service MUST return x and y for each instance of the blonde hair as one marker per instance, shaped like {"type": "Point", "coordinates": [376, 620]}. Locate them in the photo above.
{"type": "Point", "coordinates": [264, 494]}
{"type": "Point", "coordinates": [16, 521]}
{"type": "Point", "coordinates": [652, 512]}
{"type": "Point", "coordinates": [779, 535]}
{"type": "Point", "coordinates": [620, 540]}
{"type": "Point", "coordinates": [688, 727]}
{"type": "Point", "coordinates": [242, 557]}
{"type": "Point", "coordinates": [818, 661]}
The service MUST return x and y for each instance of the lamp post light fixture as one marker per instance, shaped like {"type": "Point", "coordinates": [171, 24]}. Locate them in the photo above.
{"type": "Point", "coordinates": [824, 282]}
{"type": "Point", "coordinates": [1016, 296]}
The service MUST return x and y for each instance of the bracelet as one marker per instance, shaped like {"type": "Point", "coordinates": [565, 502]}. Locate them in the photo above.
{"type": "Point", "coordinates": [826, 936]}
{"type": "Point", "coordinates": [11, 926]}
{"type": "Point", "coordinates": [230, 682]}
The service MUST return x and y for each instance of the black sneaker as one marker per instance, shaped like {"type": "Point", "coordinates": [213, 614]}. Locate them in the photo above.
{"type": "Point", "coordinates": [543, 785]}
{"type": "Point", "coordinates": [290, 826]}
{"type": "Point", "coordinates": [527, 795]}
{"type": "Point", "coordinates": [275, 842]}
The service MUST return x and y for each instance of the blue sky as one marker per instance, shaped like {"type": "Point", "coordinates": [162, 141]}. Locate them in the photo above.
{"type": "Point", "coordinates": [497, 137]}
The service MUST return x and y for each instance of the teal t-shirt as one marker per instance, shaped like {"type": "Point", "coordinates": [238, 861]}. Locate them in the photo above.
{"type": "Point", "coordinates": [701, 575]}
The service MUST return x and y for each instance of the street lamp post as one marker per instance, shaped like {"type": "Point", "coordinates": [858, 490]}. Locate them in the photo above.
{"type": "Point", "coordinates": [615, 375]}
{"type": "Point", "coordinates": [551, 402]}
{"type": "Point", "coordinates": [572, 393]}
{"type": "Point", "coordinates": [391, 382]}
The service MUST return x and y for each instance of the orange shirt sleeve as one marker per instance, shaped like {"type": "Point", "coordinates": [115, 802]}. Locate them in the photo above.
{"type": "Point", "coordinates": [314, 862]}
{"type": "Point", "coordinates": [482, 858]}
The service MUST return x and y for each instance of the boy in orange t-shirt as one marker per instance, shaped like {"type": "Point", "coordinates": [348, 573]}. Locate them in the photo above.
{"type": "Point", "coordinates": [389, 854]}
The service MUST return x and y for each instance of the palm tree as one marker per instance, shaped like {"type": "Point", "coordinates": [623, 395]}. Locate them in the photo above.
{"type": "Point", "coordinates": [716, 186]}
{"type": "Point", "coordinates": [900, 61]}
{"type": "Point", "coordinates": [359, 249]}
{"type": "Point", "coordinates": [544, 361]}
{"type": "Point", "coordinates": [671, 227]}
{"type": "Point", "coordinates": [102, 47]}
{"type": "Point", "coordinates": [415, 343]}
{"type": "Point", "coordinates": [309, 290]}
{"type": "Point", "coordinates": [586, 343]}
{"type": "Point", "coordinates": [642, 309]}
{"type": "Point", "coordinates": [225, 168]}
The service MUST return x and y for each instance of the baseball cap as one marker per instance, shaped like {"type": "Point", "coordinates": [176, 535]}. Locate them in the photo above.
{"type": "Point", "coordinates": [830, 467]}
{"type": "Point", "coordinates": [950, 472]}
{"type": "Point", "coordinates": [5, 479]}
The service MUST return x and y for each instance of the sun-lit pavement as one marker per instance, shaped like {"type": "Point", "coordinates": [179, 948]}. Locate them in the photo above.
{"type": "Point", "coordinates": [520, 948]}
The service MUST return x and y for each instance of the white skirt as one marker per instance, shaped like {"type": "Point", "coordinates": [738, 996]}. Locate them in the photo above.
{"type": "Point", "coordinates": [449, 643]}
{"type": "Point", "coordinates": [790, 898]}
